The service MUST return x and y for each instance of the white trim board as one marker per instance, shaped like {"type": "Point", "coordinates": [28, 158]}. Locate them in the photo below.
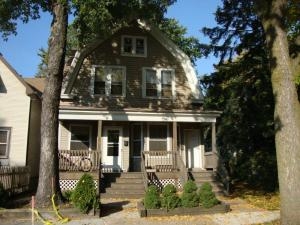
{"type": "Point", "coordinates": [66, 114]}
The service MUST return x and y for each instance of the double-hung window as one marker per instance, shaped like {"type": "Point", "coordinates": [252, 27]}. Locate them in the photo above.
{"type": "Point", "coordinates": [158, 137]}
{"type": "Point", "coordinates": [80, 137]}
{"type": "Point", "coordinates": [134, 46]}
{"type": "Point", "coordinates": [158, 83]}
{"type": "Point", "coordinates": [4, 141]}
{"type": "Point", "coordinates": [108, 80]}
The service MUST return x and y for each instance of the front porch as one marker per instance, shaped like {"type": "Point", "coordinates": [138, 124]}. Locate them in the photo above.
{"type": "Point", "coordinates": [149, 143]}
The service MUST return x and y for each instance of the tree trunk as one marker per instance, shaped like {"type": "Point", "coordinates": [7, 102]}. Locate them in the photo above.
{"type": "Point", "coordinates": [49, 174]}
{"type": "Point", "coordinates": [287, 111]}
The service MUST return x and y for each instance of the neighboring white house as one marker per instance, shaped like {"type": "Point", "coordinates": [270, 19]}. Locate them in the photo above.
{"type": "Point", "coordinates": [20, 107]}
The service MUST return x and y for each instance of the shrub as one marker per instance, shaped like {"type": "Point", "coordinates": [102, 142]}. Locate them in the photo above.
{"type": "Point", "coordinates": [67, 195]}
{"type": "Point", "coordinates": [170, 199]}
{"type": "Point", "coordinates": [84, 195]}
{"type": "Point", "coordinates": [3, 196]}
{"type": "Point", "coordinates": [206, 196]}
{"type": "Point", "coordinates": [189, 197]}
{"type": "Point", "coordinates": [152, 199]}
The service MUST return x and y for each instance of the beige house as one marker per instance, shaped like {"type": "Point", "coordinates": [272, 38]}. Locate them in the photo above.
{"type": "Point", "coordinates": [20, 109]}
{"type": "Point", "coordinates": [133, 102]}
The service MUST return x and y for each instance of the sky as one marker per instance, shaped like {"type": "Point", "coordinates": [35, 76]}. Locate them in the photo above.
{"type": "Point", "coordinates": [21, 50]}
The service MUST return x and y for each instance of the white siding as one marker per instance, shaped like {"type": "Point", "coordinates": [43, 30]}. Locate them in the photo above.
{"type": "Point", "coordinates": [14, 113]}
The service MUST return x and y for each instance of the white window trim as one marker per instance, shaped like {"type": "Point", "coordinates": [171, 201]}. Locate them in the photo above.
{"type": "Point", "coordinates": [158, 84]}
{"type": "Point", "coordinates": [108, 80]}
{"type": "Point", "coordinates": [168, 135]}
{"type": "Point", "coordinates": [134, 46]}
{"type": "Point", "coordinates": [81, 125]}
{"type": "Point", "coordinates": [8, 130]}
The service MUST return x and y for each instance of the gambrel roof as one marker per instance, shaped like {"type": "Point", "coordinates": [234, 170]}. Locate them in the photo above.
{"type": "Point", "coordinates": [175, 51]}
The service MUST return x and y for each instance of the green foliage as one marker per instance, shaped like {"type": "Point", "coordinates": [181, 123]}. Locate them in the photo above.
{"type": "Point", "coordinates": [170, 199]}
{"type": "Point", "coordinates": [207, 197]}
{"type": "Point", "coordinates": [84, 196]}
{"type": "Point", "coordinates": [190, 187]}
{"type": "Point", "coordinates": [3, 196]}
{"type": "Point", "coordinates": [241, 89]}
{"type": "Point", "coordinates": [67, 195]}
{"type": "Point", "coordinates": [177, 33]}
{"type": "Point", "coordinates": [152, 198]}
{"type": "Point", "coordinates": [189, 197]}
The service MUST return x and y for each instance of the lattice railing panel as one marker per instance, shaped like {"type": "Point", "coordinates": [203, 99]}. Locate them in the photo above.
{"type": "Point", "coordinates": [163, 182]}
{"type": "Point", "coordinates": [71, 184]}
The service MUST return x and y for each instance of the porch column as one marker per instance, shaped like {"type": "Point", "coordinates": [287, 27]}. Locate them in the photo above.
{"type": "Point", "coordinates": [99, 135]}
{"type": "Point", "coordinates": [213, 137]}
{"type": "Point", "coordinates": [174, 143]}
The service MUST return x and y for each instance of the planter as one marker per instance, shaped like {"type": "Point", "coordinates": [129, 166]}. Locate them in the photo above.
{"type": "Point", "coordinates": [220, 208]}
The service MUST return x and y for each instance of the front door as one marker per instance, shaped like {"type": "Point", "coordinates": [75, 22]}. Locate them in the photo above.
{"type": "Point", "coordinates": [136, 147]}
{"type": "Point", "coordinates": [192, 149]}
{"type": "Point", "coordinates": [112, 149]}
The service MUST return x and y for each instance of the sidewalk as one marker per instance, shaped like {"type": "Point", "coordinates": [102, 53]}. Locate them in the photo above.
{"type": "Point", "coordinates": [120, 211]}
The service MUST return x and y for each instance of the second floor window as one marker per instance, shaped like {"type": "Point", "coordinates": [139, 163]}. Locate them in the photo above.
{"type": "Point", "coordinates": [109, 80]}
{"type": "Point", "coordinates": [134, 46]}
{"type": "Point", "coordinates": [158, 83]}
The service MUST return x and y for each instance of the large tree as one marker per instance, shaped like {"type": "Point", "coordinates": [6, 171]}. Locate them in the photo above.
{"type": "Point", "coordinates": [284, 68]}
{"type": "Point", "coordinates": [232, 37]}
{"type": "Point", "coordinates": [25, 10]}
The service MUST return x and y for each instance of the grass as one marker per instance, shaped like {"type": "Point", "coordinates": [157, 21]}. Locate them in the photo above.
{"type": "Point", "coordinates": [258, 198]}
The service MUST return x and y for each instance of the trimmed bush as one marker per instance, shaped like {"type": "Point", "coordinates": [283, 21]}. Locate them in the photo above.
{"type": "Point", "coordinates": [206, 196]}
{"type": "Point", "coordinates": [84, 195]}
{"type": "Point", "coordinates": [189, 197]}
{"type": "Point", "coordinates": [152, 199]}
{"type": "Point", "coordinates": [170, 199]}
{"type": "Point", "coordinates": [67, 195]}
{"type": "Point", "coordinates": [3, 196]}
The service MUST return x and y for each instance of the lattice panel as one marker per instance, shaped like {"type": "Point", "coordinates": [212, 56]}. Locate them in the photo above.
{"type": "Point", "coordinates": [71, 184]}
{"type": "Point", "coordinates": [163, 182]}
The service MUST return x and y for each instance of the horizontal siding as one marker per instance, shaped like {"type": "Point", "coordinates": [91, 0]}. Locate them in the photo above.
{"type": "Point", "coordinates": [14, 108]}
{"type": "Point", "coordinates": [158, 56]}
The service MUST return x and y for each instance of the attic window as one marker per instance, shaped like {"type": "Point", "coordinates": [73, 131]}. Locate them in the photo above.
{"type": "Point", "coordinates": [134, 46]}
{"type": "Point", "coordinates": [2, 86]}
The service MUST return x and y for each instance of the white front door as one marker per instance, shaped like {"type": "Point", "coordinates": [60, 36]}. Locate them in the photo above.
{"type": "Point", "coordinates": [194, 158]}
{"type": "Point", "coordinates": [112, 149]}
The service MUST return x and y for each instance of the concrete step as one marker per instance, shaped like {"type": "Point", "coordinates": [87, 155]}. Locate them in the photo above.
{"type": "Point", "coordinates": [123, 180]}
{"type": "Point", "coordinates": [137, 175]}
{"type": "Point", "coordinates": [123, 196]}
{"type": "Point", "coordinates": [124, 191]}
{"type": "Point", "coordinates": [202, 174]}
{"type": "Point", "coordinates": [129, 186]}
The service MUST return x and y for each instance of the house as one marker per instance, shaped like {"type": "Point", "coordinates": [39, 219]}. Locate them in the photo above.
{"type": "Point", "coordinates": [133, 102]}
{"type": "Point", "coordinates": [20, 110]}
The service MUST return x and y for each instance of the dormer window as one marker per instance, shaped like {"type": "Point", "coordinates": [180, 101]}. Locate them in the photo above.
{"type": "Point", "coordinates": [134, 46]}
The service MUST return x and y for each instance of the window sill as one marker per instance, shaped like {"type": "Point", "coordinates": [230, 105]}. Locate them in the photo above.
{"type": "Point", "coordinates": [133, 55]}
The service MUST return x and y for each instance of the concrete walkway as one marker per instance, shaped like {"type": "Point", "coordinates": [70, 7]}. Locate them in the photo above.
{"type": "Point", "coordinates": [122, 212]}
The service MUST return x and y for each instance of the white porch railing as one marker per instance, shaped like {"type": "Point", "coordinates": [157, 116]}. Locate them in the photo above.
{"type": "Point", "coordinates": [78, 160]}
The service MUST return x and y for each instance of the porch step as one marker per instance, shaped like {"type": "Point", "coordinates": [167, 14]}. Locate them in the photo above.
{"type": "Point", "coordinates": [200, 177]}
{"type": "Point", "coordinates": [122, 185]}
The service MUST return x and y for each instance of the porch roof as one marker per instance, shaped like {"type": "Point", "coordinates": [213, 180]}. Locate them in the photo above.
{"type": "Point", "coordinates": [146, 116]}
